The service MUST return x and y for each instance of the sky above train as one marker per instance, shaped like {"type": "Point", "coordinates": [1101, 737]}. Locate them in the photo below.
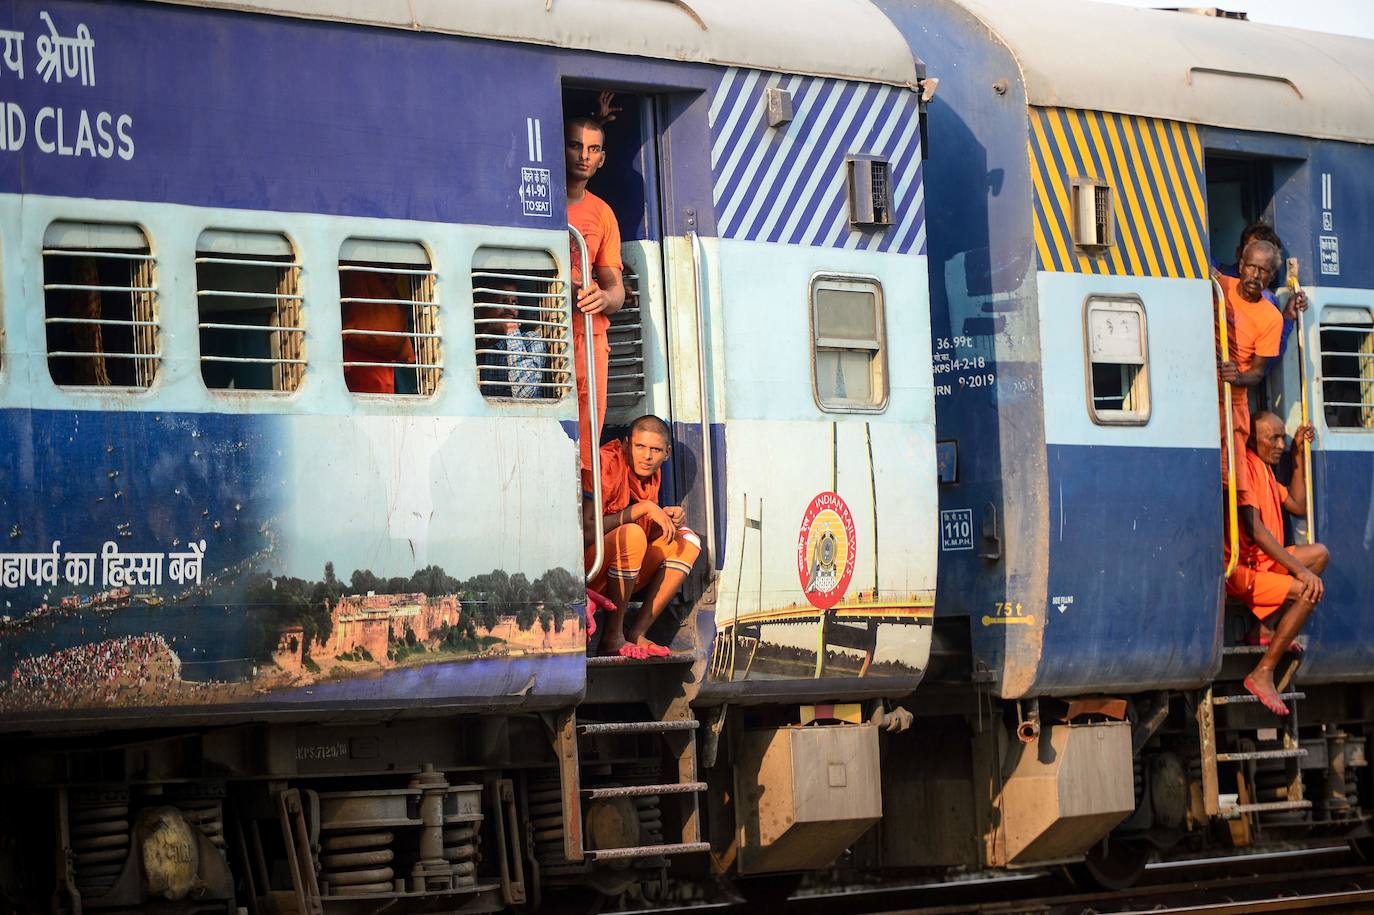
{"type": "Point", "coordinates": [1344, 17]}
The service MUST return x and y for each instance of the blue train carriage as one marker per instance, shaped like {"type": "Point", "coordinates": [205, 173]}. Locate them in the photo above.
{"type": "Point", "coordinates": [292, 570]}
{"type": "Point", "coordinates": [1082, 196]}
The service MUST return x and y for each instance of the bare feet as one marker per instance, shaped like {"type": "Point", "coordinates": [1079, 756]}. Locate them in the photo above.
{"type": "Point", "coordinates": [1260, 684]}
{"type": "Point", "coordinates": [651, 649]}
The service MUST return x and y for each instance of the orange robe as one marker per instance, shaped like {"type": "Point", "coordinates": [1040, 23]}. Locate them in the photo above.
{"type": "Point", "coordinates": [594, 219]}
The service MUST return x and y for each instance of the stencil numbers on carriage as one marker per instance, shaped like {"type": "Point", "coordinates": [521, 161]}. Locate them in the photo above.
{"type": "Point", "coordinates": [956, 529]}
{"type": "Point", "coordinates": [536, 191]}
{"type": "Point", "coordinates": [1007, 609]}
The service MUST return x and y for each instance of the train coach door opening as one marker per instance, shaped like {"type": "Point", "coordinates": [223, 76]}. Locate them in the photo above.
{"type": "Point", "coordinates": [652, 336]}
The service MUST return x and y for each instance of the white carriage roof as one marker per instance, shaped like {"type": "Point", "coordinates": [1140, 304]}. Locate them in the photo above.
{"type": "Point", "coordinates": [836, 38]}
{"type": "Point", "coordinates": [1231, 73]}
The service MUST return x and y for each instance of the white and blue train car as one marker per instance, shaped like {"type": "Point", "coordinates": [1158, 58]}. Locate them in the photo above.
{"type": "Point", "coordinates": [261, 498]}
{"type": "Point", "coordinates": [1088, 167]}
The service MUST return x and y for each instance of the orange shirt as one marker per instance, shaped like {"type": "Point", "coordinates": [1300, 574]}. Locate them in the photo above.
{"type": "Point", "coordinates": [1258, 326]}
{"type": "Point", "coordinates": [594, 219]}
{"type": "Point", "coordinates": [621, 487]}
{"type": "Point", "coordinates": [1266, 495]}
{"type": "Point", "coordinates": [383, 316]}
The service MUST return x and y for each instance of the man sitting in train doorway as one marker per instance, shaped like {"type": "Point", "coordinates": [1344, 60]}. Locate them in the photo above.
{"type": "Point", "coordinates": [648, 551]}
{"type": "Point", "coordinates": [601, 292]}
{"type": "Point", "coordinates": [1280, 585]}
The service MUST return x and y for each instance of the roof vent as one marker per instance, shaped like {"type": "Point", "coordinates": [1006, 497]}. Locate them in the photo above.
{"type": "Point", "coordinates": [1213, 11]}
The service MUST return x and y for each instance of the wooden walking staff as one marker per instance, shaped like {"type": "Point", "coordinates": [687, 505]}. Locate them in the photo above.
{"type": "Point", "coordinates": [1229, 434]}
{"type": "Point", "coordinates": [1294, 288]}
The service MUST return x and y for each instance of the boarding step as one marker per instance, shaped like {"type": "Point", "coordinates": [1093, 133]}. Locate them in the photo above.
{"type": "Point", "coordinates": [595, 794]}
{"type": "Point", "coordinates": [1230, 650]}
{"type": "Point", "coordinates": [637, 727]}
{"type": "Point", "coordinates": [1261, 754]}
{"type": "Point", "coordinates": [1245, 698]}
{"type": "Point", "coordinates": [646, 851]}
{"type": "Point", "coordinates": [1231, 810]}
{"type": "Point", "coordinates": [615, 660]}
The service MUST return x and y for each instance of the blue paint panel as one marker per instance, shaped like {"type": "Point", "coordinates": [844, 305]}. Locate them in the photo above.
{"type": "Point", "coordinates": [1134, 540]}
{"type": "Point", "coordinates": [1341, 628]}
{"type": "Point", "coordinates": [261, 112]}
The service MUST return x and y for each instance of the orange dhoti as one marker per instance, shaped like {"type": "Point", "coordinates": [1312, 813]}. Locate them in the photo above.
{"type": "Point", "coordinates": [632, 557]}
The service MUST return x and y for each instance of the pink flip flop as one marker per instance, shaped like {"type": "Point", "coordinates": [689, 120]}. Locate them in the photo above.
{"type": "Point", "coordinates": [1274, 705]}
{"type": "Point", "coordinates": [632, 651]}
{"type": "Point", "coordinates": [656, 651]}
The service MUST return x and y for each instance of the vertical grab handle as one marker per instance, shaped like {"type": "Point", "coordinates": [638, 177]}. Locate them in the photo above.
{"type": "Point", "coordinates": [704, 404]}
{"type": "Point", "coordinates": [1295, 287]}
{"type": "Point", "coordinates": [1232, 513]}
{"type": "Point", "coordinates": [590, 368]}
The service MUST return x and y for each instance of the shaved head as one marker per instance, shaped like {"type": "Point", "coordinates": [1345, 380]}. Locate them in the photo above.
{"type": "Point", "coordinates": [1271, 420]}
{"type": "Point", "coordinates": [651, 423]}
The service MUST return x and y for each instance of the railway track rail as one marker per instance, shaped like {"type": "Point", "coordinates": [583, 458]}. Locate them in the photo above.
{"type": "Point", "coordinates": [1326, 879]}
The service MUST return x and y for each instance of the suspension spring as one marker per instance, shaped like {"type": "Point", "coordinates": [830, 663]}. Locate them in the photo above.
{"type": "Point", "coordinates": [99, 830]}
{"type": "Point", "coordinates": [357, 863]}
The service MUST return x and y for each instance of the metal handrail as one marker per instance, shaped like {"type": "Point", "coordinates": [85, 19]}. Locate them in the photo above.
{"type": "Point", "coordinates": [1232, 512]}
{"type": "Point", "coordinates": [590, 351]}
{"type": "Point", "coordinates": [704, 404]}
{"type": "Point", "coordinates": [1295, 287]}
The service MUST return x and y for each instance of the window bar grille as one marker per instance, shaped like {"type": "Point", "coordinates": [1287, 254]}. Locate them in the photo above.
{"type": "Point", "coordinates": [145, 312]}
{"type": "Point", "coordinates": [627, 377]}
{"type": "Point", "coordinates": [547, 311]}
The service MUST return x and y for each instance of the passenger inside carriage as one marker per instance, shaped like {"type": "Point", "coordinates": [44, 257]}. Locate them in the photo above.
{"type": "Point", "coordinates": [509, 356]}
{"type": "Point", "coordinates": [1280, 585]}
{"type": "Point", "coordinates": [374, 308]}
{"type": "Point", "coordinates": [648, 550]}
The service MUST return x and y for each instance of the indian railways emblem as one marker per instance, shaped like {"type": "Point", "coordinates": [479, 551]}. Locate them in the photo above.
{"type": "Point", "coordinates": [825, 550]}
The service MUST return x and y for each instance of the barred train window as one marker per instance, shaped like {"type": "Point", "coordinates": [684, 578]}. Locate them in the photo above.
{"type": "Point", "coordinates": [391, 342]}
{"type": "Point", "coordinates": [100, 305]}
{"type": "Point", "coordinates": [849, 345]}
{"type": "Point", "coordinates": [1118, 360]}
{"type": "Point", "coordinates": [248, 291]}
{"type": "Point", "coordinates": [520, 325]}
{"type": "Point", "coordinates": [1347, 348]}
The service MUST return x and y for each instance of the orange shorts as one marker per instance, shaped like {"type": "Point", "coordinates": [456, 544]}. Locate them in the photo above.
{"type": "Point", "coordinates": [1262, 592]}
{"type": "Point", "coordinates": [631, 557]}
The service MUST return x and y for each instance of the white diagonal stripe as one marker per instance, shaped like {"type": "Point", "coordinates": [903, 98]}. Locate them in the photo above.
{"type": "Point", "coordinates": [754, 144]}
{"type": "Point", "coordinates": [827, 162]}
{"type": "Point", "coordinates": [722, 91]}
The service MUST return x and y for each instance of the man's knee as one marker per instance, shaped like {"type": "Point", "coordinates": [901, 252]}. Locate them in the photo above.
{"type": "Point", "coordinates": [627, 543]}
{"type": "Point", "coordinates": [1321, 556]}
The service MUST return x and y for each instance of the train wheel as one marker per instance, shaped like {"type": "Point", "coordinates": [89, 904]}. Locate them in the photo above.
{"type": "Point", "coordinates": [1112, 864]}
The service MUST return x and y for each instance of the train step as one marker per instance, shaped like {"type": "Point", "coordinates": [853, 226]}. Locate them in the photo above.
{"type": "Point", "coordinates": [598, 794]}
{"type": "Point", "coordinates": [647, 851]}
{"type": "Point", "coordinates": [1231, 810]}
{"type": "Point", "coordinates": [1261, 754]}
{"type": "Point", "coordinates": [637, 727]}
{"type": "Point", "coordinates": [1245, 698]}
{"type": "Point", "coordinates": [615, 660]}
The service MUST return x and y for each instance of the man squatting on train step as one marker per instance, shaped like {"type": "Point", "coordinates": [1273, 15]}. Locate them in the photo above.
{"type": "Point", "coordinates": [601, 294]}
{"type": "Point", "coordinates": [1274, 582]}
{"type": "Point", "coordinates": [647, 548]}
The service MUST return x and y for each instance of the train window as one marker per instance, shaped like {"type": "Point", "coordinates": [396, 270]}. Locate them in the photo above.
{"type": "Point", "coordinates": [1347, 351]}
{"type": "Point", "coordinates": [849, 361]}
{"type": "Point", "coordinates": [248, 291]}
{"type": "Point", "coordinates": [520, 325]}
{"type": "Point", "coordinates": [1092, 214]}
{"type": "Point", "coordinates": [391, 342]}
{"type": "Point", "coordinates": [100, 305]}
{"type": "Point", "coordinates": [1118, 357]}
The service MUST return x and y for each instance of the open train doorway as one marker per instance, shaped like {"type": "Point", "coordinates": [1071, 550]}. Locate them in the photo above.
{"type": "Point", "coordinates": [647, 361]}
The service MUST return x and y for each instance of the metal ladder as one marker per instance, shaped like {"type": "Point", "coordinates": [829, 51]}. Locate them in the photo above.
{"type": "Point", "coordinates": [676, 726]}
{"type": "Point", "coordinates": [1291, 750]}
